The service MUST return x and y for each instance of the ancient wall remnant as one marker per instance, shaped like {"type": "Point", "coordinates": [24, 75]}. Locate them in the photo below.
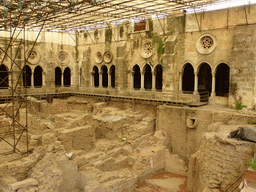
{"type": "Point", "coordinates": [220, 162]}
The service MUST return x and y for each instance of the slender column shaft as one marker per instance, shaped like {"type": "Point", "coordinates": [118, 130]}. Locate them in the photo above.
{"type": "Point", "coordinates": [142, 82]}
{"type": "Point", "coordinates": [100, 80]}
{"type": "Point", "coordinates": [154, 82]}
{"type": "Point", "coordinates": [109, 80]}
{"type": "Point", "coordinates": [213, 84]}
{"type": "Point", "coordinates": [196, 82]}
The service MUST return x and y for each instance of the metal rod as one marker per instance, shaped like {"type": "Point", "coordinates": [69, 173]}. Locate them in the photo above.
{"type": "Point", "coordinates": [160, 24]}
{"type": "Point", "coordinates": [13, 118]}
{"type": "Point", "coordinates": [199, 27]}
{"type": "Point", "coordinates": [25, 87]}
{"type": "Point", "coordinates": [90, 36]}
{"type": "Point", "coordinates": [245, 14]}
{"type": "Point", "coordinates": [227, 17]}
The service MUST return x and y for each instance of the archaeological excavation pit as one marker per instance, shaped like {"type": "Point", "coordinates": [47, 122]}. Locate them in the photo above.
{"type": "Point", "coordinates": [81, 143]}
{"type": "Point", "coordinates": [127, 96]}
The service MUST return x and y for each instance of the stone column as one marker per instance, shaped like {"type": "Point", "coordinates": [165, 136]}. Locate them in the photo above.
{"type": "Point", "coordinates": [32, 79]}
{"type": "Point", "coordinates": [180, 81]}
{"type": "Point", "coordinates": [72, 77]}
{"type": "Point", "coordinates": [109, 79]}
{"type": "Point", "coordinates": [196, 83]}
{"type": "Point", "coordinates": [142, 81]}
{"type": "Point", "coordinates": [100, 79]}
{"type": "Point", "coordinates": [43, 79]}
{"type": "Point", "coordinates": [154, 81]}
{"type": "Point", "coordinates": [213, 84]}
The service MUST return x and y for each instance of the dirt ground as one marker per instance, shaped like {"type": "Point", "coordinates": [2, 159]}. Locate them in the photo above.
{"type": "Point", "coordinates": [145, 187]}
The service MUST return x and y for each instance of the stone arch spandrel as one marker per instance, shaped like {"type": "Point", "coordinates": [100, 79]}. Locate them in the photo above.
{"type": "Point", "coordinates": [197, 68]}
{"type": "Point", "coordinates": [218, 63]}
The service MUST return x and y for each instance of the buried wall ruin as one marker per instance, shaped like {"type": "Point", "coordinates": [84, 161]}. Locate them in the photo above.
{"type": "Point", "coordinates": [200, 136]}
{"type": "Point", "coordinates": [108, 148]}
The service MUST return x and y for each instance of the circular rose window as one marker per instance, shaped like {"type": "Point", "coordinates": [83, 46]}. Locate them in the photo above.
{"type": "Point", "coordinates": [98, 57]}
{"type": "Point", "coordinates": [107, 57]}
{"type": "Point", "coordinates": [33, 56]}
{"type": "Point", "coordinates": [206, 44]}
{"type": "Point", "coordinates": [63, 57]}
{"type": "Point", "coordinates": [146, 49]}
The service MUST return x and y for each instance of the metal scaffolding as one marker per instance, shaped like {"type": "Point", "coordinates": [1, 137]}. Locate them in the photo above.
{"type": "Point", "coordinates": [19, 16]}
{"type": "Point", "coordinates": [18, 100]}
{"type": "Point", "coordinates": [78, 15]}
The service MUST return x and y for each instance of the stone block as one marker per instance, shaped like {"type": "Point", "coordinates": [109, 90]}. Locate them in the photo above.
{"type": "Point", "coordinates": [79, 138]}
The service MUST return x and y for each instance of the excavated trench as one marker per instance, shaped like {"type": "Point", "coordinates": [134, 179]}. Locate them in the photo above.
{"type": "Point", "coordinates": [80, 145]}
{"type": "Point", "coordinates": [77, 144]}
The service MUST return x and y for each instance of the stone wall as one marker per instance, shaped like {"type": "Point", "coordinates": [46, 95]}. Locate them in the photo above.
{"type": "Point", "coordinates": [172, 41]}
{"type": "Point", "coordinates": [185, 127]}
{"type": "Point", "coordinates": [219, 162]}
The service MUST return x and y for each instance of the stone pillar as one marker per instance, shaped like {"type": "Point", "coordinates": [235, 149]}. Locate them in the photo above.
{"type": "Point", "coordinates": [109, 79]}
{"type": "Point", "coordinates": [196, 83]}
{"type": "Point", "coordinates": [180, 81]}
{"type": "Point", "coordinates": [32, 79]}
{"type": "Point", "coordinates": [142, 81]}
{"type": "Point", "coordinates": [100, 79]}
{"type": "Point", "coordinates": [154, 81]}
{"type": "Point", "coordinates": [72, 77]}
{"type": "Point", "coordinates": [213, 84]}
{"type": "Point", "coordinates": [43, 79]}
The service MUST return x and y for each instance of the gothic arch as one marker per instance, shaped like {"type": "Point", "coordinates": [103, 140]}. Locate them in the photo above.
{"type": "Point", "coordinates": [58, 76]}
{"type": "Point", "coordinates": [4, 77]}
{"type": "Point", "coordinates": [147, 76]}
{"type": "Point", "coordinates": [38, 77]}
{"type": "Point", "coordinates": [67, 77]}
{"type": "Point", "coordinates": [95, 73]}
{"type": "Point", "coordinates": [104, 73]}
{"type": "Point", "coordinates": [222, 79]}
{"type": "Point", "coordinates": [188, 78]}
{"type": "Point", "coordinates": [205, 78]}
{"type": "Point", "coordinates": [26, 76]}
{"type": "Point", "coordinates": [136, 77]}
{"type": "Point", "coordinates": [158, 70]}
{"type": "Point", "coordinates": [113, 75]}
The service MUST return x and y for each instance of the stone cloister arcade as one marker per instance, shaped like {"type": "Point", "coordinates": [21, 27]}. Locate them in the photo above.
{"type": "Point", "coordinates": [204, 78]}
{"type": "Point", "coordinates": [145, 79]}
{"type": "Point", "coordinates": [105, 77]}
{"type": "Point", "coordinates": [35, 77]}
